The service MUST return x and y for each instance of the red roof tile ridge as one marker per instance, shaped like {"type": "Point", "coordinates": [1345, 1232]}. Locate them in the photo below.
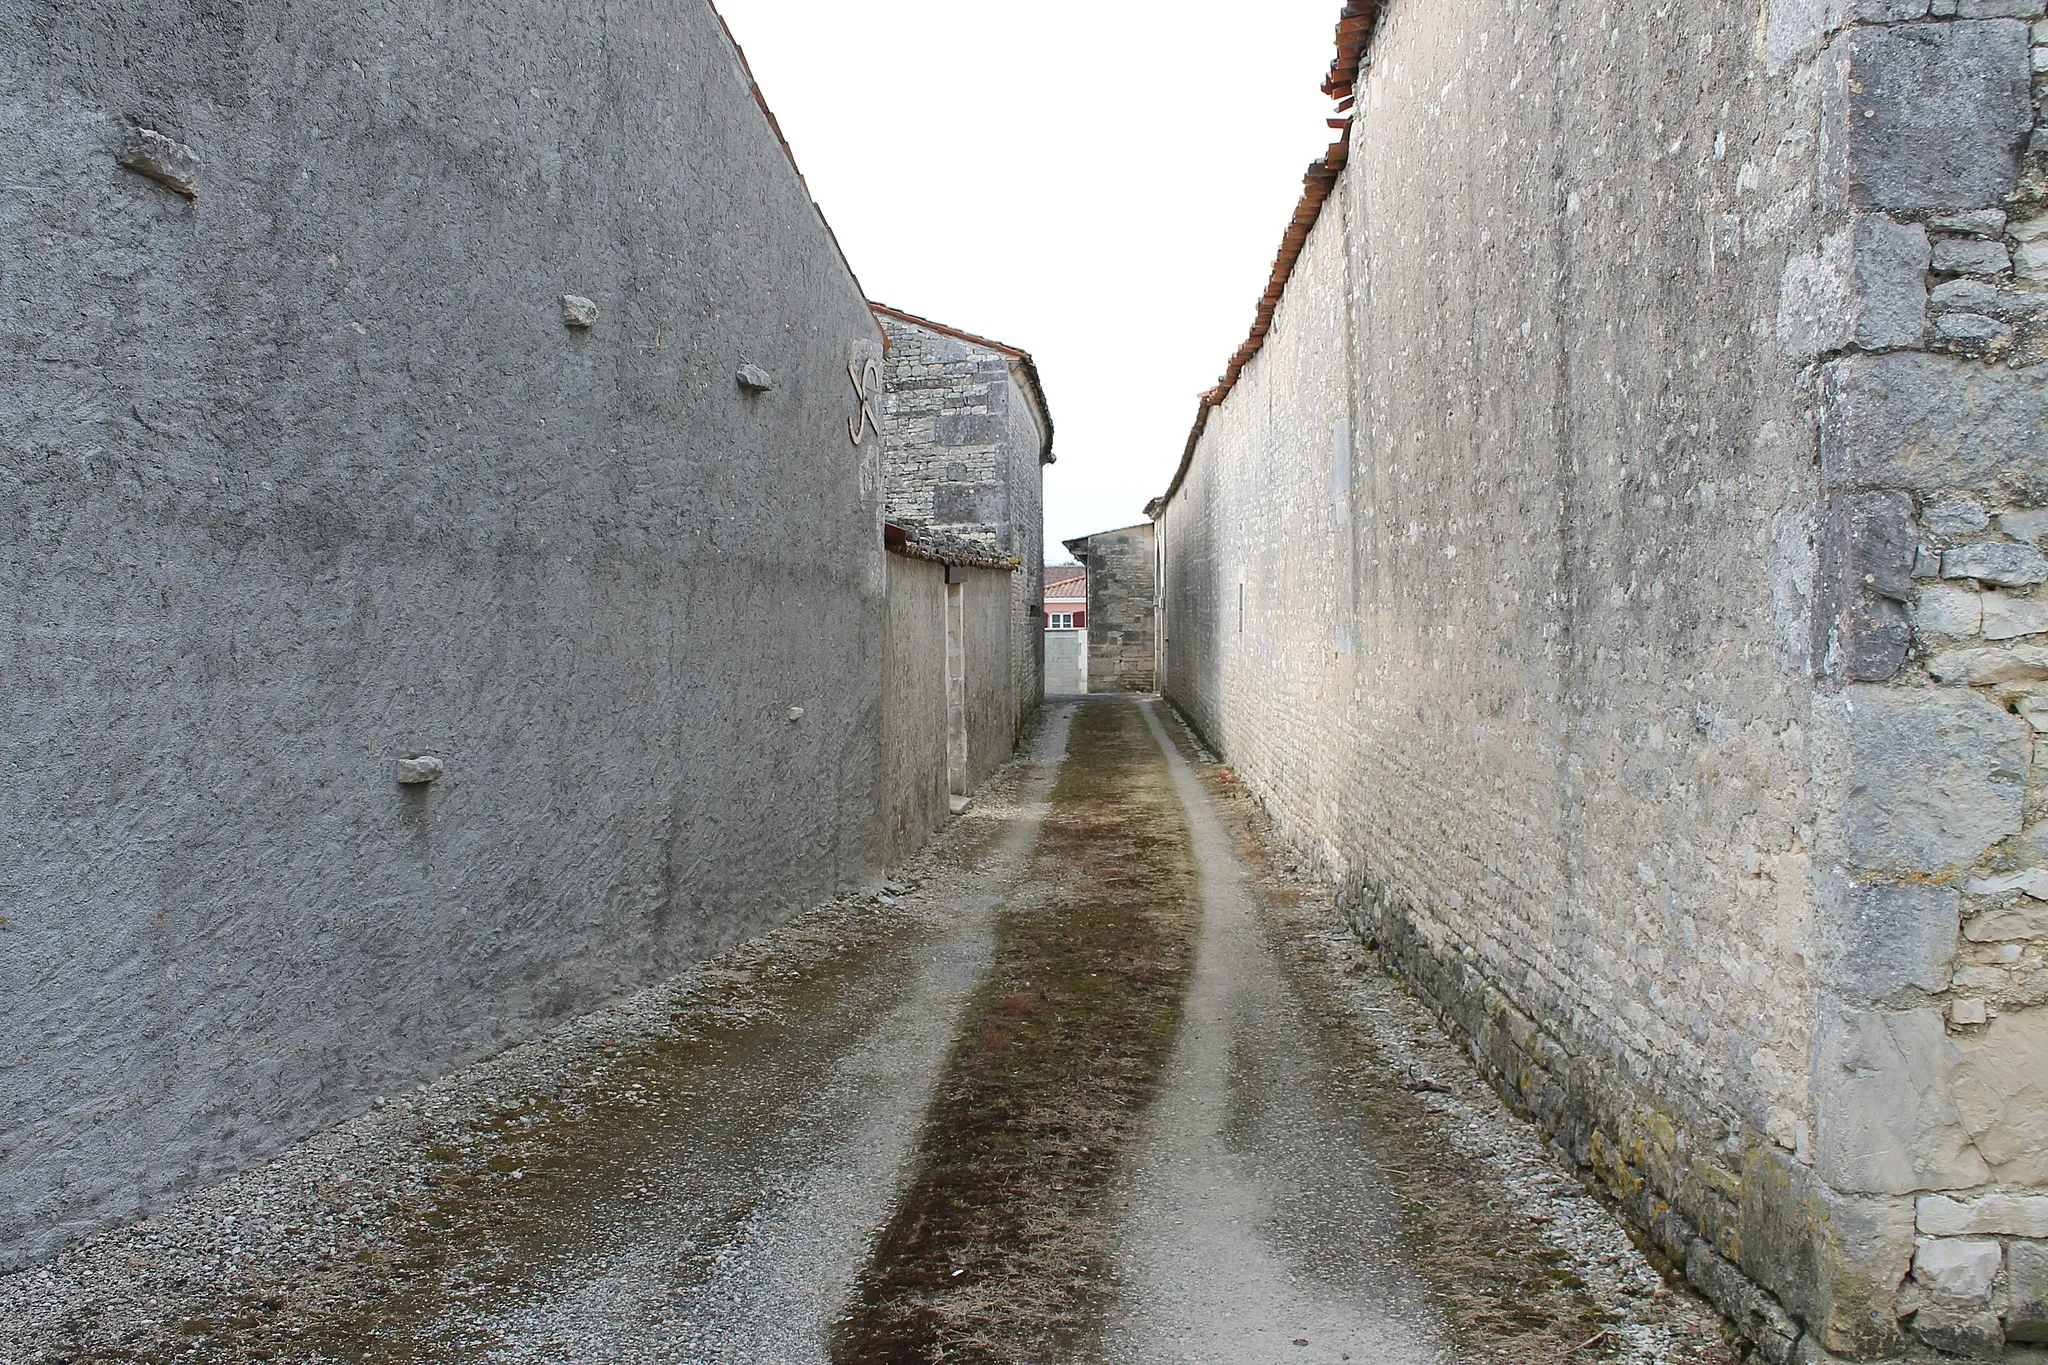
{"type": "Point", "coordinates": [1354, 34]}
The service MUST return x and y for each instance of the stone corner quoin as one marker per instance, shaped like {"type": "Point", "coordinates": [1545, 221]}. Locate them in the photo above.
{"type": "Point", "coordinates": [1665, 698]}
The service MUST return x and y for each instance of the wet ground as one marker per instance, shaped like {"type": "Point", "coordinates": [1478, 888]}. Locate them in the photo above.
{"type": "Point", "coordinates": [1099, 1077]}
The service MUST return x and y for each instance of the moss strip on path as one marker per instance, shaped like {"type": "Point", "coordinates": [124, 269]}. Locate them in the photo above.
{"type": "Point", "coordinates": [1000, 1247]}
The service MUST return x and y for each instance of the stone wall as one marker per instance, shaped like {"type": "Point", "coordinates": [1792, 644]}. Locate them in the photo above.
{"type": "Point", "coordinates": [1617, 571]}
{"type": "Point", "coordinates": [1066, 662]}
{"type": "Point", "coordinates": [914, 707]}
{"type": "Point", "coordinates": [1122, 610]}
{"type": "Point", "coordinates": [967, 441]}
{"type": "Point", "coordinates": [304, 471]}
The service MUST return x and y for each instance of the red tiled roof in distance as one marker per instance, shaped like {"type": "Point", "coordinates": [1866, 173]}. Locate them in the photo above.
{"type": "Point", "coordinates": [1354, 33]}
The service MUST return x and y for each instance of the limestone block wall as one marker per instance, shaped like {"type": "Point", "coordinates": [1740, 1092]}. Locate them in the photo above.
{"type": "Point", "coordinates": [1122, 610]}
{"type": "Point", "coordinates": [1617, 569]}
{"type": "Point", "coordinates": [305, 470]}
{"type": "Point", "coordinates": [967, 439]}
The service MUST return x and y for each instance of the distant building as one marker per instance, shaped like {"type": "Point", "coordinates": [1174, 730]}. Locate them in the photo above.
{"type": "Point", "coordinates": [966, 436]}
{"type": "Point", "coordinates": [1122, 610]}
{"type": "Point", "coordinates": [1066, 629]}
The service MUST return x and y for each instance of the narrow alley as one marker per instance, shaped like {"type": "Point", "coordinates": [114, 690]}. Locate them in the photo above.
{"type": "Point", "coordinates": [1099, 1077]}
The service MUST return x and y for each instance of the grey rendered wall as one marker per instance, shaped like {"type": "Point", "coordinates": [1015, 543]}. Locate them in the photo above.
{"type": "Point", "coordinates": [992, 684]}
{"type": "Point", "coordinates": [1635, 542]}
{"type": "Point", "coordinates": [306, 474]}
{"type": "Point", "coordinates": [1066, 661]}
{"type": "Point", "coordinates": [1121, 610]}
{"type": "Point", "coordinates": [914, 707]}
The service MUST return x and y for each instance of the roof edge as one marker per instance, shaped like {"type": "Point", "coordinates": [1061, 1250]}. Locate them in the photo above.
{"type": "Point", "coordinates": [1355, 27]}
{"type": "Point", "coordinates": [899, 539]}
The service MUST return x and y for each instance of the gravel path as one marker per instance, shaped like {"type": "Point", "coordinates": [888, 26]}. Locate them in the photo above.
{"type": "Point", "coordinates": [702, 1172]}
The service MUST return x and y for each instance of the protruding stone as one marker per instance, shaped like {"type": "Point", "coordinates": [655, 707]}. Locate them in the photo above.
{"type": "Point", "coordinates": [413, 772]}
{"type": "Point", "coordinates": [168, 162]}
{"type": "Point", "coordinates": [2022, 922]}
{"type": "Point", "coordinates": [1967, 1012]}
{"type": "Point", "coordinates": [2029, 525]}
{"type": "Point", "coordinates": [755, 379]}
{"type": "Point", "coordinates": [1988, 300]}
{"type": "Point", "coordinates": [1954, 516]}
{"type": "Point", "coordinates": [1984, 222]}
{"type": "Point", "coordinates": [578, 312]}
{"type": "Point", "coordinates": [1960, 1329]}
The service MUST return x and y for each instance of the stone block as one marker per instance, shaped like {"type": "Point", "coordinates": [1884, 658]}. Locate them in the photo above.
{"type": "Point", "coordinates": [1927, 422]}
{"type": "Point", "coordinates": [1931, 777]}
{"type": "Point", "coordinates": [1983, 222]}
{"type": "Point", "coordinates": [1958, 1268]}
{"type": "Point", "coordinates": [1885, 1121]}
{"type": "Point", "coordinates": [970, 428]}
{"type": "Point", "coordinates": [2001, 1093]}
{"type": "Point", "coordinates": [1954, 516]}
{"type": "Point", "coordinates": [2009, 618]}
{"type": "Point", "coordinates": [2030, 261]}
{"type": "Point", "coordinates": [2022, 922]}
{"type": "Point", "coordinates": [1998, 9]}
{"type": "Point", "coordinates": [1891, 282]}
{"type": "Point", "coordinates": [1878, 938]}
{"type": "Point", "coordinates": [1890, 11]}
{"type": "Point", "coordinates": [1970, 329]}
{"type": "Point", "coordinates": [2010, 1215]}
{"type": "Point", "coordinates": [1983, 667]}
{"type": "Point", "coordinates": [2000, 562]}
{"type": "Point", "coordinates": [1970, 256]}
{"type": "Point", "coordinates": [1865, 284]}
{"type": "Point", "coordinates": [1960, 1329]}
{"type": "Point", "coordinates": [2029, 525]}
{"type": "Point", "coordinates": [1988, 300]}
{"type": "Point", "coordinates": [1947, 610]}
{"type": "Point", "coordinates": [1937, 113]}
{"type": "Point", "coordinates": [1834, 1260]}
{"type": "Point", "coordinates": [1753, 1312]}
{"type": "Point", "coordinates": [2026, 1286]}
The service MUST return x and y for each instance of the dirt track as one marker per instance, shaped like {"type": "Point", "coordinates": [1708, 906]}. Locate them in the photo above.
{"type": "Point", "coordinates": [1098, 1078]}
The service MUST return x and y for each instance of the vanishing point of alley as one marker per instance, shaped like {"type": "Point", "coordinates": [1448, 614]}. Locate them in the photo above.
{"type": "Point", "coordinates": [1099, 1077]}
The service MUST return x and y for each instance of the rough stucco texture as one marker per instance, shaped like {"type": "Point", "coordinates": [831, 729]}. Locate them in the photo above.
{"type": "Point", "coordinates": [306, 474]}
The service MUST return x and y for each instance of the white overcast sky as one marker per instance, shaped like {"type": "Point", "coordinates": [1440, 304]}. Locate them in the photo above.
{"type": "Point", "coordinates": [1103, 183]}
